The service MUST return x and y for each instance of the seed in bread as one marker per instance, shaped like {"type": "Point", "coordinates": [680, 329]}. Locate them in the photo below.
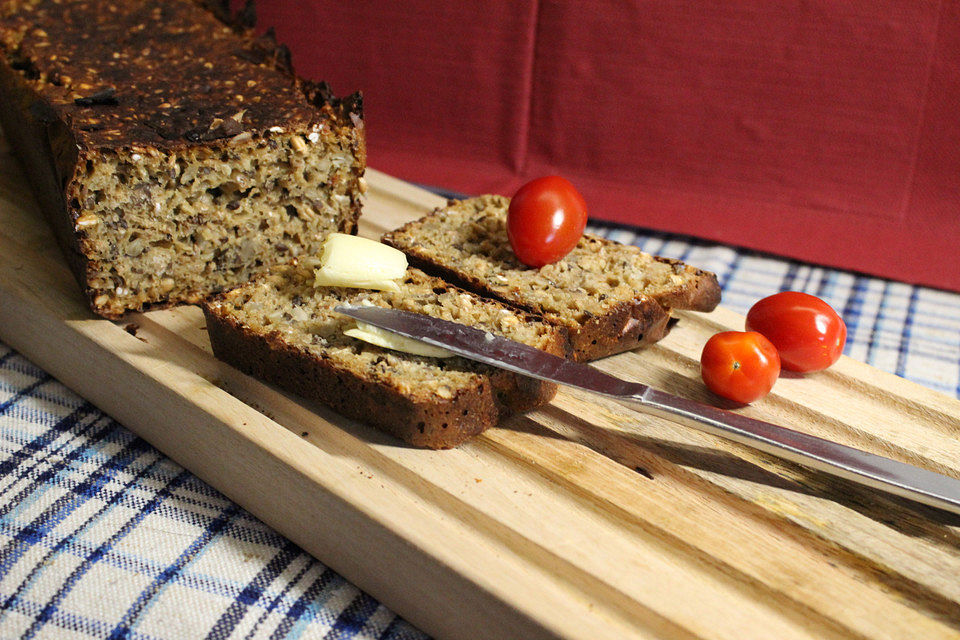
{"type": "Point", "coordinates": [176, 155]}
{"type": "Point", "coordinates": [282, 329]}
{"type": "Point", "coordinates": [610, 297]}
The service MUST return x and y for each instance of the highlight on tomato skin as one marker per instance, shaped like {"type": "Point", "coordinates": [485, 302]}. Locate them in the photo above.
{"type": "Point", "coordinates": [808, 334]}
{"type": "Point", "coordinates": [545, 220]}
{"type": "Point", "coordinates": [739, 365]}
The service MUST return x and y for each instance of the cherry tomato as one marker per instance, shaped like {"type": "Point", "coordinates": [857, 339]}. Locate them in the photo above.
{"type": "Point", "coordinates": [545, 220]}
{"type": "Point", "coordinates": [807, 332]}
{"type": "Point", "coordinates": [739, 365]}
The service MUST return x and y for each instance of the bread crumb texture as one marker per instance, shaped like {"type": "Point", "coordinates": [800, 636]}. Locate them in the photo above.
{"type": "Point", "coordinates": [286, 303]}
{"type": "Point", "coordinates": [177, 225]}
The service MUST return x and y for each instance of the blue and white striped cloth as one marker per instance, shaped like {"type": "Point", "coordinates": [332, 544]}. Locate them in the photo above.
{"type": "Point", "coordinates": [101, 536]}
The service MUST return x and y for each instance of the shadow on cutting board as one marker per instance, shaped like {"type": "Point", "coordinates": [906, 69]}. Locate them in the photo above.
{"type": "Point", "coordinates": [631, 449]}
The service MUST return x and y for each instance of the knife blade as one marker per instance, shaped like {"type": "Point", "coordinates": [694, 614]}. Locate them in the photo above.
{"type": "Point", "coordinates": [895, 477]}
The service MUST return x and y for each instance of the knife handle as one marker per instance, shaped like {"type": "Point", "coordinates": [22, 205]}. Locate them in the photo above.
{"type": "Point", "coordinates": [898, 478]}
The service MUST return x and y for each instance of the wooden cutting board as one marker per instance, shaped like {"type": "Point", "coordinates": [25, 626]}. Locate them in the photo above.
{"type": "Point", "coordinates": [582, 520]}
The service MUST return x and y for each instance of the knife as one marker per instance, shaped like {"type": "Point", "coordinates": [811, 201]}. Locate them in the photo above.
{"type": "Point", "coordinates": [898, 478]}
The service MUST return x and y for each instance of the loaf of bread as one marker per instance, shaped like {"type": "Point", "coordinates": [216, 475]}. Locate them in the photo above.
{"type": "Point", "coordinates": [282, 329]}
{"type": "Point", "coordinates": [608, 296]}
{"type": "Point", "coordinates": [175, 154]}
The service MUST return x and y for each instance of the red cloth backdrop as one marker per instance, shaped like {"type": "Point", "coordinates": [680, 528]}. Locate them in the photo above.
{"type": "Point", "coordinates": [825, 130]}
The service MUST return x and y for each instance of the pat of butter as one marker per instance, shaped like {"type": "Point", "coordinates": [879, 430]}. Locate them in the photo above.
{"type": "Point", "coordinates": [381, 338]}
{"type": "Point", "coordinates": [351, 261]}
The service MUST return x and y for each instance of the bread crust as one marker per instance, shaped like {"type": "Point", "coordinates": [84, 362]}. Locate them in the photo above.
{"type": "Point", "coordinates": [437, 423]}
{"type": "Point", "coordinates": [628, 326]}
{"type": "Point", "coordinates": [57, 125]}
{"type": "Point", "coordinates": [31, 141]}
{"type": "Point", "coordinates": [700, 292]}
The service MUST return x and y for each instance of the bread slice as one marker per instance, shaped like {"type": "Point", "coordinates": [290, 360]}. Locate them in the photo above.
{"type": "Point", "coordinates": [174, 154]}
{"type": "Point", "coordinates": [608, 296]}
{"type": "Point", "coordinates": [282, 329]}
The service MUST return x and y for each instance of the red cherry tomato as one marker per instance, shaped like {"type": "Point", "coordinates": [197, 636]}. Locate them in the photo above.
{"type": "Point", "coordinates": [739, 365]}
{"type": "Point", "coordinates": [807, 332]}
{"type": "Point", "coordinates": [545, 220]}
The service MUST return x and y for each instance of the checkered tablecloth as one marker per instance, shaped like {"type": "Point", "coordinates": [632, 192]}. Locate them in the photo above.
{"type": "Point", "coordinates": [102, 536]}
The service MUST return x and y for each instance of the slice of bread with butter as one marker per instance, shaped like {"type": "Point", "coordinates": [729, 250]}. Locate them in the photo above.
{"type": "Point", "coordinates": [282, 328]}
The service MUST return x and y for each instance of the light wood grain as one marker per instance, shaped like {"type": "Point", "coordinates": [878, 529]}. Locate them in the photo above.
{"type": "Point", "coordinates": [581, 520]}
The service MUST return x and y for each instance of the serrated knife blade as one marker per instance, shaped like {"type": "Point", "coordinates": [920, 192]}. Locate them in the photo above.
{"type": "Point", "coordinates": [898, 478]}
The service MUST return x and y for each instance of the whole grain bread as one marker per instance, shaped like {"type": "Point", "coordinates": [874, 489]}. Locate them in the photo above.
{"type": "Point", "coordinates": [175, 154]}
{"type": "Point", "coordinates": [282, 329]}
{"type": "Point", "coordinates": [608, 296]}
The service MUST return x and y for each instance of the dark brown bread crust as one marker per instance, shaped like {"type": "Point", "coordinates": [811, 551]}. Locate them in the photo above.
{"type": "Point", "coordinates": [78, 80]}
{"type": "Point", "coordinates": [435, 424]}
{"type": "Point", "coordinates": [639, 322]}
{"type": "Point", "coordinates": [156, 73]}
{"type": "Point", "coordinates": [701, 292]}
{"type": "Point", "coordinates": [30, 139]}
{"type": "Point", "coordinates": [627, 327]}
